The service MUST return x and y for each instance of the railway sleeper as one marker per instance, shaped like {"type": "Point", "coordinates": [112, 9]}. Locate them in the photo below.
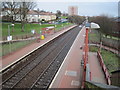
{"type": "Point", "coordinates": [9, 83]}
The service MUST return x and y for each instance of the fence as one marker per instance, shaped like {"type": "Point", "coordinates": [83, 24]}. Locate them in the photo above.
{"type": "Point", "coordinates": [94, 37]}
{"type": "Point", "coordinates": [10, 47]}
{"type": "Point", "coordinates": [90, 85]}
{"type": "Point", "coordinates": [106, 73]}
{"type": "Point", "coordinates": [16, 37]}
{"type": "Point", "coordinates": [115, 51]}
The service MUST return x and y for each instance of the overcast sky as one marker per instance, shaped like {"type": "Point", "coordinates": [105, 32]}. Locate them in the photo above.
{"type": "Point", "coordinates": [85, 8]}
{"type": "Point", "coordinates": [77, 0]}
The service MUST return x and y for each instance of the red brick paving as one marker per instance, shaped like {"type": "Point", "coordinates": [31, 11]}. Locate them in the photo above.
{"type": "Point", "coordinates": [72, 62]}
{"type": "Point", "coordinates": [97, 74]}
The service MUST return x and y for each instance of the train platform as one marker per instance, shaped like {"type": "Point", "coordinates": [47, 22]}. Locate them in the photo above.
{"type": "Point", "coordinates": [17, 55]}
{"type": "Point", "coordinates": [70, 74]}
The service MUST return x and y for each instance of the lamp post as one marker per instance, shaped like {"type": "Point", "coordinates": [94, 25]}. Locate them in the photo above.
{"type": "Point", "coordinates": [40, 29]}
{"type": "Point", "coordinates": [55, 28]}
{"type": "Point", "coordinates": [39, 34]}
{"type": "Point", "coordinates": [9, 37]}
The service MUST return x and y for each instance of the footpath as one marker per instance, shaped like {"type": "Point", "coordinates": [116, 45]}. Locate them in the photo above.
{"type": "Point", "coordinates": [17, 55]}
{"type": "Point", "coordinates": [107, 48]}
{"type": "Point", "coordinates": [95, 70]}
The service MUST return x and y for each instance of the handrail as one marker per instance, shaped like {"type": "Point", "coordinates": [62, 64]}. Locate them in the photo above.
{"type": "Point", "coordinates": [103, 66]}
{"type": "Point", "coordinates": [99, 86]}
{"type": "Point", "coordinates": [115, 51]}
{"type": "Point", "coordinates": [93, 42]}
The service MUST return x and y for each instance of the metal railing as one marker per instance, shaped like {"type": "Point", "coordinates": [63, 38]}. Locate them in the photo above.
{"type": "Point", "coordinates": [103, 66]}
{"type": "Point", "coordinates": [99, 86]}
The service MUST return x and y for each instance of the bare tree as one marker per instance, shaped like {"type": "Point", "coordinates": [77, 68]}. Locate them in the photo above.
{"type": "Point", "coordinates": [108, 27]}
{"type": "Point", "coordinates": [12, 10]}
{"type": "Point", "coordinates": [24, 8]}
{"type": "Point", "coordinates": [106, 23]}
{"type": "Point", "coordinates": [76, 19]}
{"type": "Point", "coordinates": [58, 14]}
{"type": "Point", "coordinates": [38, 12]}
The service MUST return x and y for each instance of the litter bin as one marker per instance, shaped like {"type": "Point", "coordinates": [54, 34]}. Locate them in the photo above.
{"type": "Point", "coordinates": [42, 37]}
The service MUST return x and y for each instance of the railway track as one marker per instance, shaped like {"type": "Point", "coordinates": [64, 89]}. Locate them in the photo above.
{"type": "Point", "coordinates": [39, 71]}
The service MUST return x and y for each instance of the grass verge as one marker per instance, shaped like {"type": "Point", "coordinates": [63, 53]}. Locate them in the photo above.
{"type": "Point", "coordinates": [8, 48]}
{"type": "Point", "coordinates": [28, 28]}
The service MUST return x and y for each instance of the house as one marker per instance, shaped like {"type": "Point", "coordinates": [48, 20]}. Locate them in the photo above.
{"type": "Point", "coordinates": [47, 16]}
{"type": "Point", "coordinates": [32, 15]}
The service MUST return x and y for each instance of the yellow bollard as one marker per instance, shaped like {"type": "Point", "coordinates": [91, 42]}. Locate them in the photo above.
{"type": "Point", "coordinates": [42, 37]}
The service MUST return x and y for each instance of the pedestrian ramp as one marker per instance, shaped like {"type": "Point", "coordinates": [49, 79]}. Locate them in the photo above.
{"type": "Point", "coordinates": [97, 75]}
{"type": "Point", "coordinates": [94, 69]}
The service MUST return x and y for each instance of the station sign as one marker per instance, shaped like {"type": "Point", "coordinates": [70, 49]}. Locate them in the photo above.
{"type": "Point", "coordinates": [33, 31]}
{"type": "Point", "coordinates": [9, 38]}
{"type": "Point", "coordinates": [88, 25]}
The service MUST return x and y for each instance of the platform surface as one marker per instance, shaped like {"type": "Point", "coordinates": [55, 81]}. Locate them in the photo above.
{"type": "Point", "coordinates": [70, 72]}
{"type": "Point", "coordinates": [97, 74]}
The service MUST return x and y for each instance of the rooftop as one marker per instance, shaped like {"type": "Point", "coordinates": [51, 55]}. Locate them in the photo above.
{"type": "Point", "coordinates": [32, 12]}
